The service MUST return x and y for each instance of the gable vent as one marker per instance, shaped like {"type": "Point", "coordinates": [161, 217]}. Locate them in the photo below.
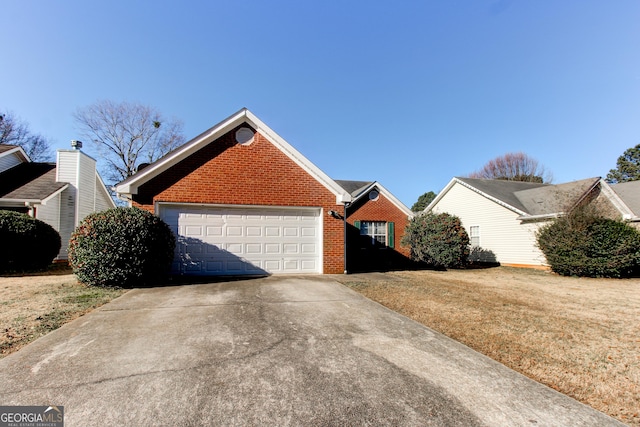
{"type": "Point", "coordinates": [244, 136]}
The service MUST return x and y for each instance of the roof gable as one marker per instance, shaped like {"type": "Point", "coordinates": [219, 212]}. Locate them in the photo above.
{"type": "Point", "coordinates": [359, 189]}
{"type": "Point", "coordinates": [244, 116]}
{"type": "Point", "coordinates": [554, 199]}
{"type": "Point", "coordinates": [629, 193]}
{"type": "Point", "coordinates": [501, 190]}
{"type": "Point", "coordinates": [529, 200]}
{"type": "Point", "coordinates": [12, 155]}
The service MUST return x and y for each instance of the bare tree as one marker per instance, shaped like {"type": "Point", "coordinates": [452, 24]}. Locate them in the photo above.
{"type": "Point", "coordinates": [126, 134]}
{"type": "Point", "coordinates": [13, 131]}
{"type": "Point", "coordinates": [514, 167]}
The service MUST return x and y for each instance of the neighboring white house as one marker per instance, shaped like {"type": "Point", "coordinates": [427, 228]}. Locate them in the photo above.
{"type": "Point", "coordinates": [502, 217]}
{"type": "Point", "coordinates": [60, 194]}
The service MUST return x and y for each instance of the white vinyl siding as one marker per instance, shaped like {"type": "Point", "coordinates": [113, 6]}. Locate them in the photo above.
{"type": "Point", "coordinates": [82, 197]}
{"type": "Point", "coordinates": [67, 216]}
{"type": "Point", "coordinates": [474, 236]}
{"type": "Point", "coordinates": [8, 161]}
{"type": "Point", "coordinates": [103, 200]}
{"type": "Point", "coordinates": [50, 213]}
{"type": "Point", "coordinates": [86, 186]}
{"type": "Point", "coordinates": [502, 233]}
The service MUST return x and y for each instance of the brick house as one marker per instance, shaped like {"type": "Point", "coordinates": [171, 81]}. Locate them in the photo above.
{"type": "Point", "coordinates": [243, 201]}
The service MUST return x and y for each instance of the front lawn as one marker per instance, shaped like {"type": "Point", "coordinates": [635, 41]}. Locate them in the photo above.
{"type": "Point", "coordinates": [578, 336]}
{"type": "Point", "coordinates": [34, 305]}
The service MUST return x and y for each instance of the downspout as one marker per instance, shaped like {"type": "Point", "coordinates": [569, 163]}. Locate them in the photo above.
{"type": "Point", "coordinates": [344, 221]}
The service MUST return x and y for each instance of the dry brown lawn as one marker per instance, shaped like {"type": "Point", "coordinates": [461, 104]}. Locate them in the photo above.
{"type": "Point", "coordinates": [578, 336]}
{"type": "Point", "coordinates": [32, 306]}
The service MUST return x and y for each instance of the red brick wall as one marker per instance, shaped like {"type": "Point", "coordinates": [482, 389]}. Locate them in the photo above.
{"type": "Point", "coordinates": [224, 172]}
{"type": "Point", "coordinates": [381, 209]}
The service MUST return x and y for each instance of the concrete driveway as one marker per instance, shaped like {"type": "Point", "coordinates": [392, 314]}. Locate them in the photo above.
{"type": "Point", "coordinates": [280, 351]}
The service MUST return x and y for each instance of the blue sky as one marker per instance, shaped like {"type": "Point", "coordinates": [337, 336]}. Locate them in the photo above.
{"type": "Point", "coordinates": [408, 93]}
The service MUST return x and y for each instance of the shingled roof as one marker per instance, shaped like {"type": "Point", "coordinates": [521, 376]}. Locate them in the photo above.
{"type": "Point", "coordinates": [354, 187]}
{"type": "Point", "coordinates": [533, 199]}
{"type": "Point", "coordinates": [629, 192]}
{"type": "Point", "coordinates": [30, 182]}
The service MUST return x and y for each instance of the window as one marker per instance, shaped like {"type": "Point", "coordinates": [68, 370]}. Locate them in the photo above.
{"type": "Point", "coordinates": [474, 236]}
{"type": "Point", "coordinates": [375, 230]}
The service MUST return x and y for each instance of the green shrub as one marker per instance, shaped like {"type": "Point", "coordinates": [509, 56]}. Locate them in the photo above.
{"type": "Point", "coordinates": [26, 243]}
{"type": "Point", "coordinates": [586, 245]}
{"type": "Point", "coordinates": [123, 247]}
{"type": "Point", "coordinates": [439, 240]}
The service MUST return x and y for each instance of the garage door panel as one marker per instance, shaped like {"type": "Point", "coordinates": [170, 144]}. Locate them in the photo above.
{"type": "Point", "coordinates": [214, 231]}
{"type": "Point", "coordinates": [237, 240]}
{"type": "Point", "coordinates": [272, 231]}
{"type": "Point", "coordinates": [272, 265]}
{"type": "Point", "coordinates": [272, 248]}
{"type": "Point", "coordinates": [193, 231]}
{"type": "Point", "coordinates": [234, 248]}
{"type": "Point", "coordinates": [308, 248]}
{"type": "Point", "coordinates": [254, 248]}
{"type": "Point", "coordinates": [290, 248]}
{"type": "Point", "coordinates": [233, 231]}
{"type": "Point", "coordinates": [254, 231]}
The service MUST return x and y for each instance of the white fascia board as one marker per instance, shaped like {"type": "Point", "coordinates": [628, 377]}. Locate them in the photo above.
{"type": "Point", "coordinates": [298, 158]}
{"type": "Point", "coordinates": [493, 199]}
{"type": "Point", "coordinates": [440, 195]}
{"type": "Point", "coordinates": [19, 151]}
{"type": "Point", "coordinates": [615, 200]}
{"type": "Point", "coordinates": [386, 193]}
{"type": "Point", "coordinates": [19, 202]}
{"type": "Point", "coordinates": [105, 190]}
{"type": "Point", "coordinates": [52, 195]}
{"type": "Point", "coordinates": [541, 217]}
{"type": "Point", "coordinates": [131, 185]}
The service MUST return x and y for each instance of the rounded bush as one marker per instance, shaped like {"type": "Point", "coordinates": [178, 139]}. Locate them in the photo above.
{"type": "Point", "coordinates": [439, 240]}
{"type": "Point", "coordinates": [123, 247]}
{"type": "Point", "coordinates": [27, 244]}
{"type": "Point", "coordinates": [586, 246]}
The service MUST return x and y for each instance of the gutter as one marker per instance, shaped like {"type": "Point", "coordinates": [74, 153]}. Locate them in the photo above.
{"type": "Point", "coordinates": [541, 217]}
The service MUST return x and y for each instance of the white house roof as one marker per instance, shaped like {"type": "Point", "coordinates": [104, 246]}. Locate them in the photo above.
{"type": "Point", "coordinates": [244, 116]}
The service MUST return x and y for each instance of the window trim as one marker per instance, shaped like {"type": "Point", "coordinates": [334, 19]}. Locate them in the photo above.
{"type": "Point", "coordinates": [387, 226]}
{"type": "Point", "coordinates": [475, 235]}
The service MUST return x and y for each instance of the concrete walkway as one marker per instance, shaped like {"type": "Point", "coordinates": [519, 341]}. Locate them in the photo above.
{"type": "Point", "coordinates": [276, 351]}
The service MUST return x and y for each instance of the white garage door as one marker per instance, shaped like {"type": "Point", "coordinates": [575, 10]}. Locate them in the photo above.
{"type": "Point", "coordinates": [238, 240]}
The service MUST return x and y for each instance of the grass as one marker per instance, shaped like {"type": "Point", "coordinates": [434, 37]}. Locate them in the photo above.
{"type": "Point", "coordinates": [34, 305]}
{"type": "Point", "coordinates": [578, 336]}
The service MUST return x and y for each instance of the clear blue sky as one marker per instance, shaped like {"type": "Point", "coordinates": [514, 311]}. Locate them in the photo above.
{"type": "Point", "coordinates": [408, 93]}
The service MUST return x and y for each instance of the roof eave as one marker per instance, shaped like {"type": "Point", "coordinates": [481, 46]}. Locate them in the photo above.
{"type": "Point", "coordinates": [131, 185]}
{"type": "Point", "coordinates": [386, 193]}
{"type": "Point", "coordinates": [476, 190]}
{"type": "Point", "coordinates": [541, 217]}
{"type": "Point", "coordinates": [21, 153]}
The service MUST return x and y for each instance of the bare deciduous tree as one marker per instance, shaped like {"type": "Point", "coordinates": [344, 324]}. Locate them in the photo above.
{"type": "Point", "coordinates": [514, 167]}
{"type": "Point", "coordinates": [126, 134]}
{"type": "Point", "coordinates": [13, 131]}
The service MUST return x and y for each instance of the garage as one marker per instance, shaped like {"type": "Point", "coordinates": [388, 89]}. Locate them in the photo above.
{"type": "Point", "coordinates": [240, 240]}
